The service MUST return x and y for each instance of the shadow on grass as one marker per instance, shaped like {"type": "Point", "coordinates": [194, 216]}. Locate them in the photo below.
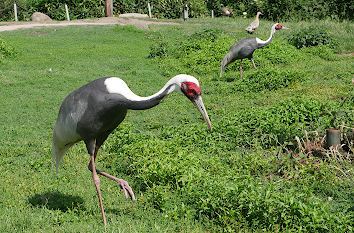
{"type": "Point", "coordinates": [57, 201]}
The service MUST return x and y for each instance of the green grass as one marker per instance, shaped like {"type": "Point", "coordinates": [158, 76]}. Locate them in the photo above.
{"type": "Point", "coordinates": [186, 179]}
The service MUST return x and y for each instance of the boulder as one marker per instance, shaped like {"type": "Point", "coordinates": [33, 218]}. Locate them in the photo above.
{"type": "Point", "coordinates": [40, 17]}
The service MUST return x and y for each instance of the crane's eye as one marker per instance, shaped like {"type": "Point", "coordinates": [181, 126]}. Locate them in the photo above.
{"type": "Point", "coordinates": [190, 89]}
{"type": "Point", "coordinates": [278, 26]}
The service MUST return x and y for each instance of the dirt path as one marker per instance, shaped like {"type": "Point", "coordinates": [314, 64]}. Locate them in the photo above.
{"type": "Point", "coordinates": [140, 23]}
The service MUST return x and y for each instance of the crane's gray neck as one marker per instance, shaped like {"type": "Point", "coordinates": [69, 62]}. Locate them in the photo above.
{"type": "Point", "coordinates": [135, 102]}
{"type": "Point", "coordinates": [261, 43]}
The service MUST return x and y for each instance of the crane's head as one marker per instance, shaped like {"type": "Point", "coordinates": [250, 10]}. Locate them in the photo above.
{"type": "Point", "coordinates": [278, 26]}
{"type": "Point", "coordinates": [190, 87]}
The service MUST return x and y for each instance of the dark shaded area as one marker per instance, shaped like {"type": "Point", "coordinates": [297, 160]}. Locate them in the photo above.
{"type": "Point", "coordinates": [57, 201]}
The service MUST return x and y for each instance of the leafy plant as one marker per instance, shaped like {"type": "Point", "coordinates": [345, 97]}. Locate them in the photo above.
{"type": "Point", "coordinates": [268, 79]}
{"type": "Point", "coordinates": [311, 36]}
{"type": "Point", "coordinates": [322, 51]}
{"type": "Point", "coordinates": [77, 9]}
{"type": "Point", "coordinates": [6, 50]}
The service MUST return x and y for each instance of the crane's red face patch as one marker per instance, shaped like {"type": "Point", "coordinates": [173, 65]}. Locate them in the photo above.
{"type": "Point", "coordinates": [191, 89]}
{"type": "Point", "coordinates": [278, 26]}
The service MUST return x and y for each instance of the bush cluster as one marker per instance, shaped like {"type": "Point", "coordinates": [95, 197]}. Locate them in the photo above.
{"type": "Point", "coordinates": [199, 53]}
{"type": "Point", "coordinates": [6, 50]}
{"type": "Point", "coordinates": [279, 124]}
{"type": "Point", "coordinates": [290, 9]}
{"type": "Point", "coordinates": [227, 187]}
{"type": "Point", "coordinates": [77, 9]}
{"type": "Point", "coordinates": [322, 51]}
{"type": "Point", "coordinates": [268, 79]}
{"type": "Point", "coordinates": [311, 36]}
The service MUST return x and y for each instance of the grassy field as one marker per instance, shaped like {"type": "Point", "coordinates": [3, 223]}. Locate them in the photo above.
{"type": "Point", "coordinates": [247, 175]}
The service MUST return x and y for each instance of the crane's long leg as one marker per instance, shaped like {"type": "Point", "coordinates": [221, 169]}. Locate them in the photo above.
{"type": "Point", "coordinates": [123, 184]}
{"type": "Point", "coordinates": [254, 65]}
{"type": "Point", "coordinates": [241, 69]}
{"type": "Point", "coordinates": [96, 180]}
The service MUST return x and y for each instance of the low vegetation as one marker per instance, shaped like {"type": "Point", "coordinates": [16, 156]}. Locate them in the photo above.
{"type": "Point", "coordinates": [6, 50]}
{"type": "Point", "coordinates": [265, 166]}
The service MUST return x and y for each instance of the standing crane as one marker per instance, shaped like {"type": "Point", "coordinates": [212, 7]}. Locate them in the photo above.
{"type": "Point", "coordinates": [93, 111]}
{"type": "Point", "coordinates": [245, 48]}
{"type": "Point", "coordinates": [226, 11]}
{"type": "Point", "coordinates": [254, 25]}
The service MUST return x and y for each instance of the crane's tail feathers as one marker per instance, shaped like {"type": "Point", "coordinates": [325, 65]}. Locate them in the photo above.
{"type": "Point", "coordinates": [57, 153]}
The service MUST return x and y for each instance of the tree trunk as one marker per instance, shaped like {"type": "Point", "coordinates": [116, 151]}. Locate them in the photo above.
{"type": "Point", "coordinates": [109, 8]}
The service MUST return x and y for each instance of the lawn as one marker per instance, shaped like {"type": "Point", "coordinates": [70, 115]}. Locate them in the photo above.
{"type": "Point", "coordinates": [246, 175]}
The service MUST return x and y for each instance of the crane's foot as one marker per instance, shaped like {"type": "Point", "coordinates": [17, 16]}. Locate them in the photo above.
{"type": "Point", "coordinates": [128, 191]}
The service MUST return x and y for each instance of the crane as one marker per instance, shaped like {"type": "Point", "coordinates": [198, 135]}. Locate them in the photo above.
{"type": "Point", "coordinates": [94, 110]}
{"type": "Point", "coordinates": [245, 48]}
{"type": "Point", "coordinates": [254, 25]}
{"type": "Point", "coordinates": [226, 11]}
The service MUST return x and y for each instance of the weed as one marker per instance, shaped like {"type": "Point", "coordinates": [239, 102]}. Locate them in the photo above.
{"type": "Point", "coordinates": [6, 50]}
{"type": "Point", "coordinates": [322, 51]}
{"type": "Point", "coordinates": [311, 36]}
{"type": "Point", "coordinates": [268, 79]}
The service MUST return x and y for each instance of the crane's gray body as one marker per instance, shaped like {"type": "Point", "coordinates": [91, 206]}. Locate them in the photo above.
{"type": "Point", "coordinates": [91, 113]}
{"type": "Point", "coordinates": [240, 50]}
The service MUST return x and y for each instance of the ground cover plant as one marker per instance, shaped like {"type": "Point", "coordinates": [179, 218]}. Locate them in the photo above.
{"type": "Point", "coordinates": [249, 174]}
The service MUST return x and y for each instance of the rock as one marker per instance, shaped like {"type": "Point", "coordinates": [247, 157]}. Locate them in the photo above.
{"type": "Point", "coordinates": [135, 15]}
{"type": "Point", "coordinates": [40, 17]}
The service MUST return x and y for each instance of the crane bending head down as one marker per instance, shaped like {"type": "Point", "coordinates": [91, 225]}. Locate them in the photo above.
{"type": "Point", "coordinates": [94, 110]}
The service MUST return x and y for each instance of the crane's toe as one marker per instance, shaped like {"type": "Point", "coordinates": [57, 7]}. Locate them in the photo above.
{"type": "Point", "coordinates": [128, 191]}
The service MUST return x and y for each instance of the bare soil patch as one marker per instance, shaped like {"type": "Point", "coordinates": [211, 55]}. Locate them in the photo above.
{"type": "Point", "coordinates": [139, 23]}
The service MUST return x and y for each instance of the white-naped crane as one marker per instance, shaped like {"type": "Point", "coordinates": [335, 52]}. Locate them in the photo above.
{"type": "Point", "coordinates": [94, 110]}
{"type": "Point", "coordinates": [226, 11]}
{"type": "Point", "coordinates": [244, 49]}
{"type": "Point", "coordinates": [254, 25]}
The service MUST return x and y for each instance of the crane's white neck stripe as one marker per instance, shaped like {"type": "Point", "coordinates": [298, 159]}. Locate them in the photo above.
{"type": "Point", "coordinates": [118, 86]}
{"type": "Point", "coordinates": [262, 42]}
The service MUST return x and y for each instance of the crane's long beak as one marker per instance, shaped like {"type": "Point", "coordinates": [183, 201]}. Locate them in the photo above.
{"type": "Point", "coordinates": [198, 102]}
{"type": "Point", "coordinates": [285, 28]}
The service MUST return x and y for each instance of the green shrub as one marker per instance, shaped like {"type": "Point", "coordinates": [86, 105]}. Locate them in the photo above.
{"type": "Point", "coordinates": [278, 52]}
{"type": "Point", "coordinates": [322, 51]}
{"type": "Point", "coordinates": [290, 9]}
{"type": "Point", "coordinates": [200, 52]}
{"type": "Point", "coordinates": [158, 49]}
{"type": "Point", "coordinates": [229, 187]}
{"type": "Point", "coordinates": [268, 79]}
{"type": "Point", "coordinates": [77, 9]}
{"type": "Point", "coordinates": [6, 50]}
{"type": "Point", "coordinates": [311, 36]}
{"type": "Point", "coordinates": [280, 123]}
